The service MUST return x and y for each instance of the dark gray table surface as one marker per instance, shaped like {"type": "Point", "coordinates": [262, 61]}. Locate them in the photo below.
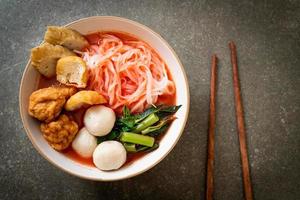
{"type": "Point", "coordinates": [267, 34]}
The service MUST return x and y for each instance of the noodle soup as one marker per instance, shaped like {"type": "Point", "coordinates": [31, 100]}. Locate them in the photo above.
{"type": "Point", "coordinates": [138, 56]}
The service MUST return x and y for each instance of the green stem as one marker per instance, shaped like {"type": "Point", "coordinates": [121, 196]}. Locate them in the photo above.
{"type": "Point", "coordinates": [158, 126]}
{"type": "Point", "coordinates": [148, 121]}
{"type": "Point", "coordinates": [129, 147]}
{"type": "Point", "coordinates": [137, 139]}
{"type": "Point", "coordinates": [155, 146]}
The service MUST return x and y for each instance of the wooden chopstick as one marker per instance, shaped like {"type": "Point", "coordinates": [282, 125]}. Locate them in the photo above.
{"type": "Point", "coordinates": [211, 130]}
{"type": "Point", "coordinates": [240, 124]}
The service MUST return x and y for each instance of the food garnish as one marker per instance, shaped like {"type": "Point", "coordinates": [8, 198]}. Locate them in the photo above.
{"type": "Point", "coordinates": [138, 132]}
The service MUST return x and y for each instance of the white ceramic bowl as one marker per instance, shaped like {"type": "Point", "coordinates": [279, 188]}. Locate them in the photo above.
{"type": "Point", "coordinates": [109, 23]}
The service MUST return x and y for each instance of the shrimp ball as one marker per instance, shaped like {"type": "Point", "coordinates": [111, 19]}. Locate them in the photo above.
{"type": "Point", "coordinates": [109, 155]}
{"type": "Point", "coordinates": [84, 143]}
{"type": "Point", "coordinates": [99, 120]}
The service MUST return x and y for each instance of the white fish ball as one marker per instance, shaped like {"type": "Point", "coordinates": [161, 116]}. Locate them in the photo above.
{"type": "Point", "coordinates": [84, 143]}
{"type": "Point", "coordinates": [109, 155]}
{"type": "Point", "coordinates": [99, 120]}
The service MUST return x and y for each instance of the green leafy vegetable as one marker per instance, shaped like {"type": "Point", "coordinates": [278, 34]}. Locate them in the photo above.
{"type": "Point", "coordinates": [159, 131]}
{"type": "Point", "coordinates": [126, 112]}
{"type": "Point", "coordinates": [137, 139]}
{"type": "Point", "coordinates": [114, 134]}
{"type": "Point", "coordinates": [137, 132]}
{"type": "Point", "coordinates": [155, 146]}
{"type": "Point", "coordinates": [147, 149]}
{"type": "Point", "coordinates": [166, 111]}
{"type": "Point", "coordinates": [148, 121]}
{"type": "Point", "coordinates": [146, 113]}
{"type": "Point", "coordinates": [130, 147]}
{"type": "Point", "coordinates": [158, 126]}
{"type": "Point", "coordinates": [134, 148]}
{"type": "Point", "coordinates": [161, 111]}
{"type": "Point", "coordinates": [127, 119]}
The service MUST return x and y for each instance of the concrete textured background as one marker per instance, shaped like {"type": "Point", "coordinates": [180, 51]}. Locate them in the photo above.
{"type": "Point", "coordinates": [267, 34]}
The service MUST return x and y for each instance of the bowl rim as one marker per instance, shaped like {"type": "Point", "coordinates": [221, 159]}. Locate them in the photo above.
{"type": "Point", "coordinates": [152, 164]}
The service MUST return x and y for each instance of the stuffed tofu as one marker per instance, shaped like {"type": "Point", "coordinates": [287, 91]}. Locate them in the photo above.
{"type": "Point", "coordinates": [45, 57]}
{"type": "Point", "coordinates": [66, 37]}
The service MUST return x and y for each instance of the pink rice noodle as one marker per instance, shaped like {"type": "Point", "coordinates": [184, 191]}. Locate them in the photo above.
{"type": "Point", "coordinates": [126, 73]}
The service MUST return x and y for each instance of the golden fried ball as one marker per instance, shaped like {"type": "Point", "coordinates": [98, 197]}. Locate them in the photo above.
{"type": "Point", "coordinates": [46, 104]}
{"type": "Point", "coordinates": [60, 133]}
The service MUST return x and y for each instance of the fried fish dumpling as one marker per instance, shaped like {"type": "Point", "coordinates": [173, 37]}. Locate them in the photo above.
{"type": "Point", "coordinates": [60, 133]}
{"type": "Point", "coordinates": [45, 56]}
{"type": "Point", "coordinates": [84, 98]}
{"type": "Point", "coordinates": [46, 104]}
{"type": "Point", "coordinates": [66, 37]}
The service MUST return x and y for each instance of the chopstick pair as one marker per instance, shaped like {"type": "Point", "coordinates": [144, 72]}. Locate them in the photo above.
{"type": "Point", "coordinates": [240, 127]}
